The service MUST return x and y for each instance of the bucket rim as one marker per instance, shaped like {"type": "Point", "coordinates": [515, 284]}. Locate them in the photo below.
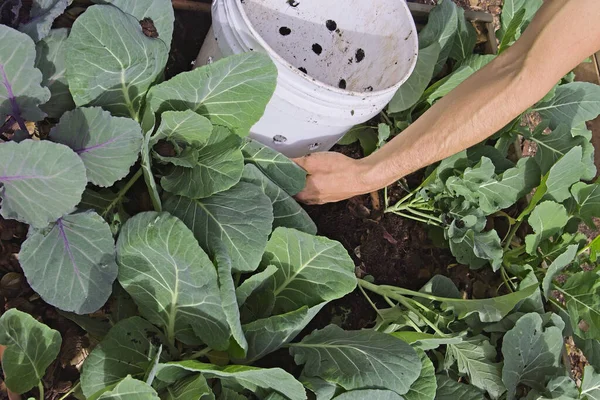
{"type": "Point", "coordinates": [375, 93]}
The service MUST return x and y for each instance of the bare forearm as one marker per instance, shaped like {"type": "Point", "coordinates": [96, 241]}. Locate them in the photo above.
{"type": "Point", "coordinates": [496, 94]}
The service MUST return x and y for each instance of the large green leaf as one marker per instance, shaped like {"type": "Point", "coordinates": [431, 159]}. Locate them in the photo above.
{"type": "Point", "coordinates": [425, 341]}
{"type": "Point", "coordinates": [511, 8]}
{"type": "Point", "coordinates": [410, 92]}
{"type": "Point", "coordinates": [358, 359]}
{"type": "Point", "coordinates": [254, 283]}
{"type": "Point", "coordinates": [311, 270]}
{"type": "Point", "coordinates": [477, 248]}
{"type": "Point", "coordinates": [228, 394]}
{"type": "Point", "coordinates": [21, 92]}
{"type": "Point", "coordinates": [559, 388]}
{"type": "Point", "coordinates": [546, 219]}
{"type": "Point", "coordinates": [72, 265]}
{"type": "Point", "coordinates": [567, 171]}
{"type": "Point", "coordinates": [50, 58]}
{"type": "Point", "coordinates": [281, 170]}
{"type": "Point", "coordinates": [582, 297]}
{"type": "Point", "coordinates": [269, 334]}
{"type": "Point", "coordinates": [159, 11]}
{"type": "Point", "coordinates": [476, 358]}
{"type": "Point", "coordinates": [191, 387]}
{"type": "Point", "coordinates": [588, 201]}
{"type": "Point", "coordinates": [234, 223]}
{"type": "Point", "coordinates": [557, 266]}
{"type": "Point", "coordinates": [110, 62]}
{"type": "Point", "coordinates": [590, 386]}
{"type": "Point", "coordinates": [238, 343]}
{"type": "Point", "coordinates": [286, 211]}
{"type": "Point", "coordinates": [30, 348]}
{"type": "Point", "coordinates": [171, 279]}
{"type": "Point", "coordinates": [551, 147]}
{"type": "Point", "coordinates": [493, 193]}
{"type": "Point", "coordinates": [424, 387]}
{"type": "Point", "coordinates": [322, 389]}
{"type": "Point", "coordinates": [572, 104]}
{"type": "Point", "coordinates": [232, 92]}
{"type": "Point", "coordinates": [488, 310]}
{"type": "Point", "coordinates": [464, 39]}
{"type": "Point", "coordinates": [130, 389]}
{"type": "Point", "coordinates": [366, 135]}
{"type": "Point", "coordinates": [444, 86]}
{"type": "Point", "coordinates": [186, 131]}
{"type": "Point", "coordinates": [42, 181]}
{"type": "Point", "coordinates": [530, 354]}
{"type": "Point", "coordinates": [450, 389]}
{"type": "Point", "coordinates": [219, 166]}
{"type": "Point", "coordinates": [127, 349]}
{"type": "Point", "coordinates": [41, 16]}
{"type": "Point", "coordinates": [108, 145]}
{"type": "Point", "coordinates": [512, 31]}
{"type": "Point", "coordinates": [237, 377]}
{"type": "Point", "coordinates": [441, 27]}
{"type": "Point", "coordinates": [371, 394]}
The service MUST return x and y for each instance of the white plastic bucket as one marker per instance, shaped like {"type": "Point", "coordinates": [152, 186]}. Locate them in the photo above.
{"type": "Point", "coordinates": [339, 62]}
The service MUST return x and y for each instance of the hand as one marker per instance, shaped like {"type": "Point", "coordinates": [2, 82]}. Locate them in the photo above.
{"type": "Point", "coordinates": [332, 177]}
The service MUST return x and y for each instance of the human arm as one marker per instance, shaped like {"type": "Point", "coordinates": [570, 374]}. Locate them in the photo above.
{"type": "Point", "coordinates": [561, 35]}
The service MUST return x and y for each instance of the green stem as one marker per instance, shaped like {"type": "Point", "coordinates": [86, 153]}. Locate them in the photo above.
{"type": "Point", "coordinates": [199, 354]}
{"type": "Point", "coordinates": [41, 388]}
{"type": "Point", "coordinates": [407, 303]}
{"type": "Point", "coordinates": [123, 192]}
{"type": "Point", "coordinates": [428, 220]}
{"type": "Point", "coordinates": [511, 234]}
{"type": "Point", "coordinates": [387, 120]}
{"type": "Point", "coordinates": [72, 390]}
{"type": "Point", "coordinates": [506, 279]}
{"type": "Point", "coordinates": [369, 300]}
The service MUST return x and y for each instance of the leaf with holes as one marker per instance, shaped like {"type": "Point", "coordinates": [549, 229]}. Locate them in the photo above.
{"type": "Point", "coordinates": [531, 352]}
{"type": "Point", "coordinates": [232, 92]}
{"type": "Point", "coordinates": [127, 349]}
{"type": "Point", "coordinates": [171, 279]}
{"type": "Point", "coordinates": [108, 145]}
{"type": "Point", "coordinates": [21, 93]}
{"type": "Point", "coordinates": [573, 104]}
{"type": "Point", "coordinates": [159, 11]}
{"type": "Point", "coordinates": [111, 63]}
{"type": "Point", "coordinates": [358, 359]}
{"type": "Point", "coordinates": [234, 223]}
{"type": "Point", "coordinates": [72, 265]}
{"type": "Point", "coordinates": [51, 53]}
{"type": "Point", "coordinates": [30, 348]}
{"type": "Point", "coordinates": [311, 270]}
{"type": "Point", "coordinates": [42, 181]}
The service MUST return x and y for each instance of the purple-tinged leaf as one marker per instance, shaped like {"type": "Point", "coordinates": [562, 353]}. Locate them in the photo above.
{"type": "Point", "coordinates": [41, 181]}
{"type": "Point", "coordinates": [42, 15]}
{"type": "Point", "coordinates": [108, 145]}
{"type": "Point", "coordinates": [72, 266]}
{"type": "Point", "coordinates": [21, 92]}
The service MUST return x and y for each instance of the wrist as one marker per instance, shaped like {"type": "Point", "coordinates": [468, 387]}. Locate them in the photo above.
{"type": "Point", "coordinates": [374, 174]}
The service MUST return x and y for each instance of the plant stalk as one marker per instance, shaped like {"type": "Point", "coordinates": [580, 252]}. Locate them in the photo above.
{"type": "Point", "coordinates": [41, 388]}
{"type": "Point", "coordinates": [199, 354]}
{"type": "Point", "coordinates": [123, 192]}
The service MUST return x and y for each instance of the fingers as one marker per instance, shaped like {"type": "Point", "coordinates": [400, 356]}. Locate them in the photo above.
{"type": "Point", "coordinates": [301, 161]}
